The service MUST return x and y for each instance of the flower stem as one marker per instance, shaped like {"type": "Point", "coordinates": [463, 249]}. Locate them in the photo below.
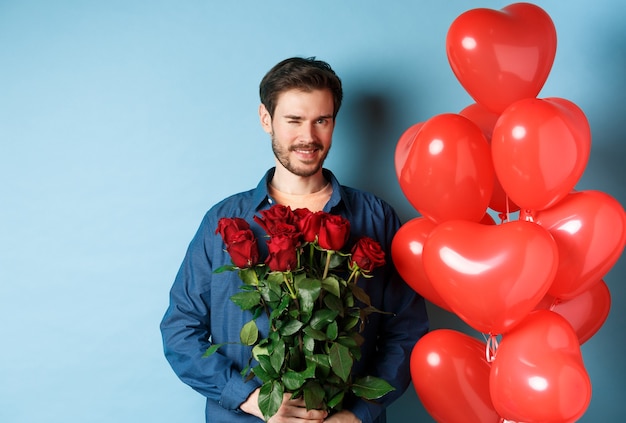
{"type": "Point", "coordinates": [292, 293]}
{"type": "Point", "coordinates": [311, 254]}
{"type": "Point", "coordinates": [329, 254]}
{"type": "Point", "coordinates": [354, 275]}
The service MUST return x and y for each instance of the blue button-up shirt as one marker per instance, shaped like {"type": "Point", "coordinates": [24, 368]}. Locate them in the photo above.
{"type": "Point", "coordinates": [201, 312]}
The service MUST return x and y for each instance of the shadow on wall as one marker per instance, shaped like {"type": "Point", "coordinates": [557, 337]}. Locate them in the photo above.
{"type": "Point", "coordinates": [605, 170]}
{"type": "Point", "coordinates": [368, 117]}
{"type": "Point", "coordinates": [374, 126]}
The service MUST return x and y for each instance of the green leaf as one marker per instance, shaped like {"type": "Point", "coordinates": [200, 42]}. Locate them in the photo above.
{"type": "Point", "coordinates": [246, 300]}
{"type": "Point", "coordinates": [295, 358]}
{"type": "Point", "coordinates": [309, 372]}
{"type": "Point", "coordinates": [243, 372]}
{"type": "Point", "coordinates": [314, 333]}
{"type": "Point", "coordinates": [358, 338]}
{"type": "Point", "coordinates": [275, 278]}
{"type": "Point", "coordinates": [370, 387]}
{"type": "Point", "coordinates": [336, 400]}
{"type": "Point", "coordinates": [308, 343]}
{"type": "Point", "coordinates": [248, 276]}
{"type": "Point", "coordinates": [331, 284]}
{"type": "Point", "coordinates": [273, 336]}
{"type": "Point", "coordinates": [277, 357]}
{"type": "Point", "coordinates": [348, 299]}
{"type": "Point", "coordinates": [290, 328]}
{"type": "Point", "coordinates": [350, 322]}
{"type": "Point", "coordinates": [270, 398]}
{"type": "Point", "coordinates": [321, 318]}
{"type": "Point", "coordinates": [322, 364]}
{"type": "Point", "coordinates": [225, 268]}
{"type": "Point", "coordinates": [249, 333]}
{"type": "Point", "coordinates": [337, 260]}
{"type": "Point", "coordinates": [308, 292]}
{"type": "Point", "coordinates": [347, 341]}
{"type": "Point", "coordinates": [282, 306]}
{"type": "Point", "coordinates": [271, 289]}
{"type": "Point", "coordinates": [360, 294]}
{"type": "Point", "coordinates": [258, 350]}
{"type": "Point", "coordinates": [313, 395]}
{"type": "Point", "coordinates": [332, 331]}
{"type": "Point", "coordinates": [340, 360]}
{"type": "Point", "coordinates": [256, 312]}
{"type": "Point", "coordinates": [266, 364]}
{"type": "Point", "coordinates": [262, 374]}
{"type": "Point", "coordinates": [334, 303]}
{"type": "Point", "coordinates": [293, 380]}
{"type": "Point", "coordinates": [211, 350]}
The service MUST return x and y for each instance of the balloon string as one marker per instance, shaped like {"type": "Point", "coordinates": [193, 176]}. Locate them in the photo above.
{"type": "Point", "coordinates": [508, 210]}
{"type": "Point", "coordinates": [491, 349]}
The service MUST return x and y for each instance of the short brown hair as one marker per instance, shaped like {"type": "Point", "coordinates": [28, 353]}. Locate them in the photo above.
{"type": "Point", "coordinates": [299, 73]}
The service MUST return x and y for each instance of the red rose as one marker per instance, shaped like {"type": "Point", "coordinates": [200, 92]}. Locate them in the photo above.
{"type": "Point", "coordinates": [334, 232]}
{"type": "Point", "coordinates": [367, 254]}
{"type": "Point", "coordinates": [282, 228]}
{"type": "Point", "coordinates": [308, 223]}
{"type": "Point", "coordinates": [228, 227]}
{"type": "Point", "coordinates": [275, 219]}
{"type": "Point", "coordinates": [243, 249]}
{"type": "Point", "coordinates": [282, 255]}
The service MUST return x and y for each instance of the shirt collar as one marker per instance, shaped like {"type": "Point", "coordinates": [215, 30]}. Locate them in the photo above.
{"type": "Point", "coordinates": [338, 202]}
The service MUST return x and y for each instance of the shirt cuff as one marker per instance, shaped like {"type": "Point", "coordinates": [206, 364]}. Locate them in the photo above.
{"type": "Point", "coordinates": [236, 392]}
{"type": "Point", "coordinates": [366, 412]}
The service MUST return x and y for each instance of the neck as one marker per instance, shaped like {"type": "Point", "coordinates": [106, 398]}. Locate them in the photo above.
{"type": "Point", "coordinates": [287, 182]}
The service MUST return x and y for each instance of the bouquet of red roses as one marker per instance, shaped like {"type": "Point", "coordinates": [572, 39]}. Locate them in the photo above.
{"type": "Point", "coordinates": [307, 287]}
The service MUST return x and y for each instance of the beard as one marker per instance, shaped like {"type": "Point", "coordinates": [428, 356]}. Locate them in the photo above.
{"type": "Point", "coordinates": [300, 168]}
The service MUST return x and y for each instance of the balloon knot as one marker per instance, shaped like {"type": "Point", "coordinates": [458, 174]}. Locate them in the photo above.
{"type": "Point", "coordinates": [529, 216]}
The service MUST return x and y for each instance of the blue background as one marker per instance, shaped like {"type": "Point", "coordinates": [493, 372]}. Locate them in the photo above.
{"type": "Point", "coordinates": [121, 122]}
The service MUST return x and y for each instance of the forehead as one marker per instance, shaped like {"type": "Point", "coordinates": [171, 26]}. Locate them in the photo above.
{"type": "Point", "coordinates": [302, 103]}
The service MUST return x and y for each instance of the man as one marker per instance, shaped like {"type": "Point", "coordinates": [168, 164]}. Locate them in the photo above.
{"type": "Point", "coordinates": [300, 99]}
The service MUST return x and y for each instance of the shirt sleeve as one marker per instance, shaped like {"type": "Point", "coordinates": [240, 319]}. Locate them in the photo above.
{"type": "Point", "coordinates": [186, 332]}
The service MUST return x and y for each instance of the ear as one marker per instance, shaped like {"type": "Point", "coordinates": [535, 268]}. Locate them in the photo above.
{"type": "Point", "coordinates": [266, 119]}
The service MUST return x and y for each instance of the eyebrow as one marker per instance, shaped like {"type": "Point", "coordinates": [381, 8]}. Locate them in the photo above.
{"type": "Point", "coordinates": [296, 117]}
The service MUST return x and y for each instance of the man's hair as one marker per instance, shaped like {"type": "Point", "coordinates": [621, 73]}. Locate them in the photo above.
{"type": "Point", "coordinates": [306, 74]}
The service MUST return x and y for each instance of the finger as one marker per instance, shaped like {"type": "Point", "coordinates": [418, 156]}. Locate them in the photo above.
{"type": "Point", "coordinates": [313, 415]}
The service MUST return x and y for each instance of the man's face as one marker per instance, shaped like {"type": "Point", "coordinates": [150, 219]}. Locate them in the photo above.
{"type": "Point", "coordinates": [301, 129]}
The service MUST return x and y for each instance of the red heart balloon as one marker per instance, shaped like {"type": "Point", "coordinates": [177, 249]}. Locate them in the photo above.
{"type": "Point", "coordinates": [406, 251]}
{"type": "Point", "coordinates": [502, 56]}
{"type": "Point", "coordinates": [538, 373]}
{"type": "Point", "coordinates": [589, 228]}
{"type": "Point", "coordinates": [451, 377]}
{"type": "Point", "coordinates": [448, 173]}
{"type": "Point", "coordinates": [486, 121]}
{"type": "Point", "coordinates": [586, 312]}
{"type": "Point", "coordinates": [491, 276]}
{"type": "Point", "coordinates": [540, 149]}
{"type": "Point", "coordinates": [403, 146]}
{"type": "Point", "coordinates": [481, 116]}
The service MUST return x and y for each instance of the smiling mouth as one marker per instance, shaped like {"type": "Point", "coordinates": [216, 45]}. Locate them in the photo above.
{"type": "Point", "coordinates": [306, 149]}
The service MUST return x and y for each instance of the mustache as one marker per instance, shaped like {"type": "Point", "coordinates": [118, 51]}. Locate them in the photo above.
{"type": "Point", "coordinates": [307, 146]}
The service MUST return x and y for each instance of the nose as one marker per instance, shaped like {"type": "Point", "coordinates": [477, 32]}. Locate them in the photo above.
{"type": "Point", "coordinates": [307, 131]}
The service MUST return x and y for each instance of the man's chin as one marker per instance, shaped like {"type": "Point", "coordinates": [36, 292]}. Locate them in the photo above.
{"type": "Point", "coordinates": [307, 171]}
